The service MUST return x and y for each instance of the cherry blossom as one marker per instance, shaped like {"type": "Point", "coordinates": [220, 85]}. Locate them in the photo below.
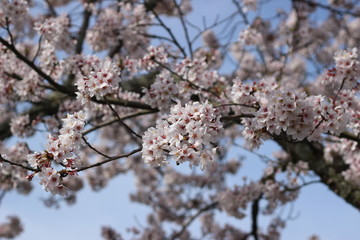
{"type": "Point", "coordinates": [90, 90]}
{"type": "Point", "coordinates": [184, 135]}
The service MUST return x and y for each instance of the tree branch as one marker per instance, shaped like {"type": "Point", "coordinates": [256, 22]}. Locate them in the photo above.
{"type": "Point", "coordinates": [330, 174]}
{"type": "Point", "coordinates": [42, 74]}
{"type": "Point", "coordinates": [109, 160]}
{"type": "Point", "coordinates": [327, 7]}
{"type": "Point", "coordinates": [192, 218]}
{"type": "Point", "coordinates": [2, 159]}
{"type": "Point", "coordinates": [116, 120]}
{"type": "Point", "coordinates": [254, 217]}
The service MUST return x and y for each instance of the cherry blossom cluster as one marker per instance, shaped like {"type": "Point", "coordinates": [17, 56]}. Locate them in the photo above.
{"type": "Point", "coordinates": [12, 228]}
{"type": "Point", "coordinates": [211, 177]}
{"type": "Point", "coordinates": [250, 67]}
{"type": "Point", "coordinates": [150, 59]}
{"type": "Point", "coordinates": [196, 75]}
{"type": "Point", "coordinates": [272, 97]}
{"type": "Point", "coordinates": [234, 202]}
{"type": "Point", "coordinates": [169, 8]}
{"type": "Point", "coordinates": [12, 177]}
{"type": "Point", "coordinates": [103, 80]}
{"type": "Point", "coordinates": [28, 88]}
{"type": "Point", "coordinates": [11, 10]}
{"type": "Point", "coordinates": [56, 31]}
{"type": "Point", "coordinates": [197, 71]}
{"type": "Point", "coordinates": [249, 5]}
{"type": "Point", "coordinates": [21, 126]}
{"type": "Point", "coordinates": [346, 72]}
{"type": "Point", "coordinates": [125, 27]}
{"type": "Point", "coordinates": [209, 227]}
{"type": "Point", "coordinates": [250, 36]}
{"type": "Point", "coordinates": [281, 110]}
{"type": "Point", "coordinates": [177, 191]}
{"type": "Point", "coordinates": [154, 57]}
{"type": "Point", "coordinates": [276, 195]}
{"type": "Point", "coordinates": [11, 66]}
{"type": "Point", "coordinates": [48, 59]}
{"type": "Point", "coordinates": [349, 151]}
{"type": "Point", "coordinates": [80, 64]}
{"type": "Point", "coordinates": [131, 65]}
{"type": "Point", "coordinates": [105, 31]}
{"type": "Point", "coordinates": [350, 101]}
{"type": "Point", "coordinates": [162, 91]}
{"type": "Point", "coordinates": [185, 135]}
{"type": "Point", "coordinates": [213, 57]}
{"type": "Point", "coordinates": [63, 149]}
{"type": "Point", "coordinates": [51, 181]}
{"type": "Point", "coordinates": [210, 39]}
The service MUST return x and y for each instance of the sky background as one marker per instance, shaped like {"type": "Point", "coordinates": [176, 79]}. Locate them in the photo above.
{"type": "Point", "coordinates": [317, 210]}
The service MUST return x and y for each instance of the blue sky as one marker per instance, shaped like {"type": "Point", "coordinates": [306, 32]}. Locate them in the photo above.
{"type": "Point", "coordinates": [318, 210]}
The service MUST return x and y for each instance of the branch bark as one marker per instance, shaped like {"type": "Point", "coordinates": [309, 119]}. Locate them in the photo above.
{"type": "Point", "coordinates": [330, 173]}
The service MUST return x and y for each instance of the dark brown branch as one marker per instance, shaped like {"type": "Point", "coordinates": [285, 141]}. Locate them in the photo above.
{"type": "Point", "coordinates": [2, 195]}
{"type": "Point", "coordinates": [82, 31]}
{"type": "Point", "coordinates": [247, 22]}
{"type": "Point", "coordinates": [94, 149]}
{"type": "Point", "coordinates": [330, 173]}
{"type": "Point", "coordinates": [329, 8]}
{"type": "Point", "coordinates": [236, 117]}
{"type": "Point", "coordinates": [186, 80]}
{"type": "Point", "coordinates": [17, 164]}
{"type": "Point", "coordinates": [254, 217]}
{"type": "Point", "coordinates": [192, 218]}
{"type": "Point", "coordinates": [109, 160]}
{"type": "Point", "coordinates": [51, 8]}
{"type": "Point", "coordinates": [124, 103]}
{"type": "Point", "coordinates": [350, 137]}
{"type": "Point", "coordinates": [183, 24]}
{"type": "Point", "coordinates": [241, 12]}
{"type": "Point", "coordinates": [38, 110]}
{"type": "Point", "coordinates": [42, 74]}
{"type": "Point", "coordinates": [116, 120]}
{"type": "Point", "coordinates": [286, 188]}
{"type": "Point", "coordinates": [123, 123]}
{"type": "Point", "coordinates": [170, 33]}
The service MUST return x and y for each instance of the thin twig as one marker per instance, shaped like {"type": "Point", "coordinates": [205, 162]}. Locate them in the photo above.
{"type": "Point", "coordinates": [2, 159]}
{"type": "Point", "coordinates": [93, 148]}
{"type": "Point", "coordinates": [42, 74]}
{"type": "Point", "coordinates": [302, 185]}
{"type": "Point", "coordinates": [2, 195]}
{"type": "Point", "coordinates": [116, 120]}
{"type": "Point", "coordinates": [192, 218]}
{"type": "Point", "coordinates": [38, 50]}
{"type": "Point", "coordinates": [123, 123]}
{"type": "Point", "coordinates": [254, 217]}
{"type": "Point", "coordinates": [183, 24]}
{"type": "Point", "coordinates": [236, 117]}
{"type": "Point", "coordinates": [350, 137]}
{"type": "Point", "coordinates": [51, 8]}
{"type": "Point", "coordinates": [170, 33]}
{"type": "Point", "coordinates": [247, 22]}
{"type": "Point", "coordinates": [326, 7]}
{"type": "Point", "coordinates": [109, 160]}
{"type": "Point", "coordinates": [186, 80]}
{"type": "Point", "coordinates": [124, 103]}
{"type": "Point", "coordinates": [82, 31]}
{"type": "Point", "coordinates": [9, 32]}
